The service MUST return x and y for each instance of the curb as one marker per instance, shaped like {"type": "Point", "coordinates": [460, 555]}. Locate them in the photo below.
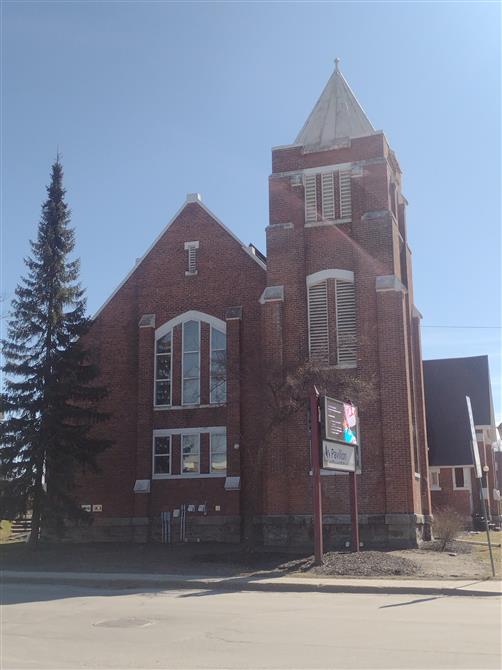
{"type": "Point", "coordinates": [127, 582]}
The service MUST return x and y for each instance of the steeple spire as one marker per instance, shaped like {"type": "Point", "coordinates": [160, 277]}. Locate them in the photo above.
{"type": "Point", "coordinates": [336, 114]}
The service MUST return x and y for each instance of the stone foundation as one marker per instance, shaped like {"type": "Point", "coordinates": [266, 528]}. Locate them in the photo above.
{"type": "Point", "coordinates": [393, 531]}
{"type": "Point", "coordinates": [143, 529]}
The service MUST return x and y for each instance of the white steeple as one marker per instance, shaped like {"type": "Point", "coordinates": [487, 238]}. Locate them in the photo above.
{"type": "Point", "coordinates": [336, 114]}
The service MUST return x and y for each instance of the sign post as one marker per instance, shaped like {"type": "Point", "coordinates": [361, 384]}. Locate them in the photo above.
{"type": "Point", "coordinates": [315, 449]}
{"type": "Point", "coordinates": [340, 445]}
{"type": "Point", "coordinates": [354, 513]}
{"type": "Point", "coordinates": [479, 476]}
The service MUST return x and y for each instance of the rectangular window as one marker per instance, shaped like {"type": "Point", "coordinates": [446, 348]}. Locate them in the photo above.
{"type": "Point", "coordinates": [218, 371]}
{"type": "Point", "coordinates": [163, 351]}
{"type": "Point", "coordinates": [346, 323]}
{"type": "Point", "coordinates": [345, 194]}
{"type": "Point", "coordinates": [310, 198]}
{"type": "Point", "coordinates": [191, 363]}
{"type": "Point", "coordinates": [190, 454]}
{"type": "Point", "coordinates": [434, 479]}
{"type": "Point", "coordinates": [218, 457]}
{"type": "Point", "coordinates": [459, 478]}
{"type": "Point", "coordinates": [318, 322]}
{"type": "Point", "coordinates": [162, 455]}
{"type": "Point", "coordinates": [328, 196]}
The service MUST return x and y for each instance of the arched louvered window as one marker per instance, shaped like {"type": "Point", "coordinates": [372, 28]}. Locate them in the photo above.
{"type": "Point", "coordinates": [346, 351]}
{"type": "Point", "coordinates": [332, 318]}
{"type": "Point", "coordinates": [318, 322]}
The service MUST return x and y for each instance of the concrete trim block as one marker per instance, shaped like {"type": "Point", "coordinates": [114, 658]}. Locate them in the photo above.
{"type": "Point", "coordinates": [147, 321]}
{"type": "Point", "coordinates": [272, 294]}
{"type": "Point", "coordinates": [389, 283]}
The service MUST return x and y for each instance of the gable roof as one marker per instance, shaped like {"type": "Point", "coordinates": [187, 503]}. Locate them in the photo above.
{"type": "Point", "coordinates": [191, 198]}
{"type": "Point", "coordinates": [446, 384]}
{"type": "Point", "coordinates": [337, 114]}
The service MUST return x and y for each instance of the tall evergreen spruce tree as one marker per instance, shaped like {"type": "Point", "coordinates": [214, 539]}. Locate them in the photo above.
{"type": "Point", "coordinates": [49, 399]}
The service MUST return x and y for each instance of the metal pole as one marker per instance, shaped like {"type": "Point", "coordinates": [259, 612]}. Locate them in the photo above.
{"type": "Point", "coordinates": [315, 448]}
{"type": "Point", "coordinates": [354, 511]}
{"type": "Point", "coordinates": [483, 500]}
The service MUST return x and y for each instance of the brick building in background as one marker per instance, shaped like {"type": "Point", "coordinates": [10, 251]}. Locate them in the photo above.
{"type": "Point", "coordinates": [205, 333]}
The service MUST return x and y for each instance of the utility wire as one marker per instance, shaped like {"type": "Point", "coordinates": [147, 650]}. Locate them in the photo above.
{"type": "Point", "coordinates": [463, 327]}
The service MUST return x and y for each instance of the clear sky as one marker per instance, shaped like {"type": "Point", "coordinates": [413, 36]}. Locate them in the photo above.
{"type": "Point", "coordinates": [148, 101]}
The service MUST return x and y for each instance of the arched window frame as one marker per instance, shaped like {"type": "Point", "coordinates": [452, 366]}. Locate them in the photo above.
{"type": "Point", "coordinates": [319, 280]}
{"type": "Point", "coordinates": [168, 327]}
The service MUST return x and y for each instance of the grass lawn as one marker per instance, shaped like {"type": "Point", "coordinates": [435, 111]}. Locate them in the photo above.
{"type": "Point", "coordinates": [5, 530]}
{"type": "Point", "coordinates": [482, 552]}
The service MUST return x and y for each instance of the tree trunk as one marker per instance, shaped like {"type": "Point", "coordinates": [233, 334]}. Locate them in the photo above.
{"type": "Point", "coordinates": [36, 518]}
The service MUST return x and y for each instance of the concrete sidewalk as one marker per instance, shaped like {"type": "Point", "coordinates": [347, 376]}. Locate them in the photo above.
{"type": "Point", "coordinates": [257, 582]}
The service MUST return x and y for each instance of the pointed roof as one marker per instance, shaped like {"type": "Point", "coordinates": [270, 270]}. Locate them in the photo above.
{"type": "Point", "coordinates": [336, 114]}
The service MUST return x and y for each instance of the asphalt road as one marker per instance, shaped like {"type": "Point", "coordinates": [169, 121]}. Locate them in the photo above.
{"type": "Point", "coordinates": [54, 627]}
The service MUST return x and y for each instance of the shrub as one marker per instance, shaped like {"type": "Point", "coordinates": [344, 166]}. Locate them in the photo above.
{"type": "Point", "coordinates": [447, 526]}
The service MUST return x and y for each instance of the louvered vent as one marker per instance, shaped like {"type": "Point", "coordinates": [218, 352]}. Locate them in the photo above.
{"type": "Point", "coordinates": [192, 260]}
{"type": "Point", "coordinates": [311, 198]}
{"type": "Point", "coordinates": [345, 323]}
{"type": "Point", "coordinates": [328, 196]}
{"type": "Point", "coordinates": [318, 323]}
{"type": "Point", "coordinates": [345, 195]}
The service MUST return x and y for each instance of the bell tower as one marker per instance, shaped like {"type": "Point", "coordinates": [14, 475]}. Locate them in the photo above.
{"type": "Point", "coordinates": [339, 298]}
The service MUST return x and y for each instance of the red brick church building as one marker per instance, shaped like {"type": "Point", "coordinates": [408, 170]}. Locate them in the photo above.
{"type": "Point", "coordinates": [205, 333]}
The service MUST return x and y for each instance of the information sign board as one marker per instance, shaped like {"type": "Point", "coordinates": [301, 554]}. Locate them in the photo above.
{"type": "Point", "coordinates": [474, 441]}
{"type": "Point", "coordinates": [337, 456]}
{"type": "Point", "coordinates": [339, 421]}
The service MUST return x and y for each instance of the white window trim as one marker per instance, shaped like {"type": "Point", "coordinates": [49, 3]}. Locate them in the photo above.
{"type": "Point", "coordinates": [191, 315]}
{"type": "Point", "coordinates": [162, 475]}
{"type": "Point", "coordinates": [467, 478]}
{"type": "Point", "coordinates": [435, 470]}
{"type": "Point", "coordinates": [210, 361]}
{"type": "Point", "coordinates": [211, 453]}
{"type": "Point", "coordinates": [164, 432]}
{"type": "Point", "coordinates": [332, 273]}
{"type": "Point", "coordinates": [155, 380]}
{"type": "Point", "coordinates": [188, 404]}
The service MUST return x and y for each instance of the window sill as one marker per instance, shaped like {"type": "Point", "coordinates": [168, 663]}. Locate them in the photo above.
{"type": "Point", "coordinates": [327, 366]}
{"type": "Point", "coordinates": [199, 475]}
{"type": "Point", "coordinates": [163, 408]}
{"type": "Point", "coordinates": [436, 488]}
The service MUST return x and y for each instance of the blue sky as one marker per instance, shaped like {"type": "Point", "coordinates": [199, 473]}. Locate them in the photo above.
{"type": "Point", "coordinates": [150, 100]}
